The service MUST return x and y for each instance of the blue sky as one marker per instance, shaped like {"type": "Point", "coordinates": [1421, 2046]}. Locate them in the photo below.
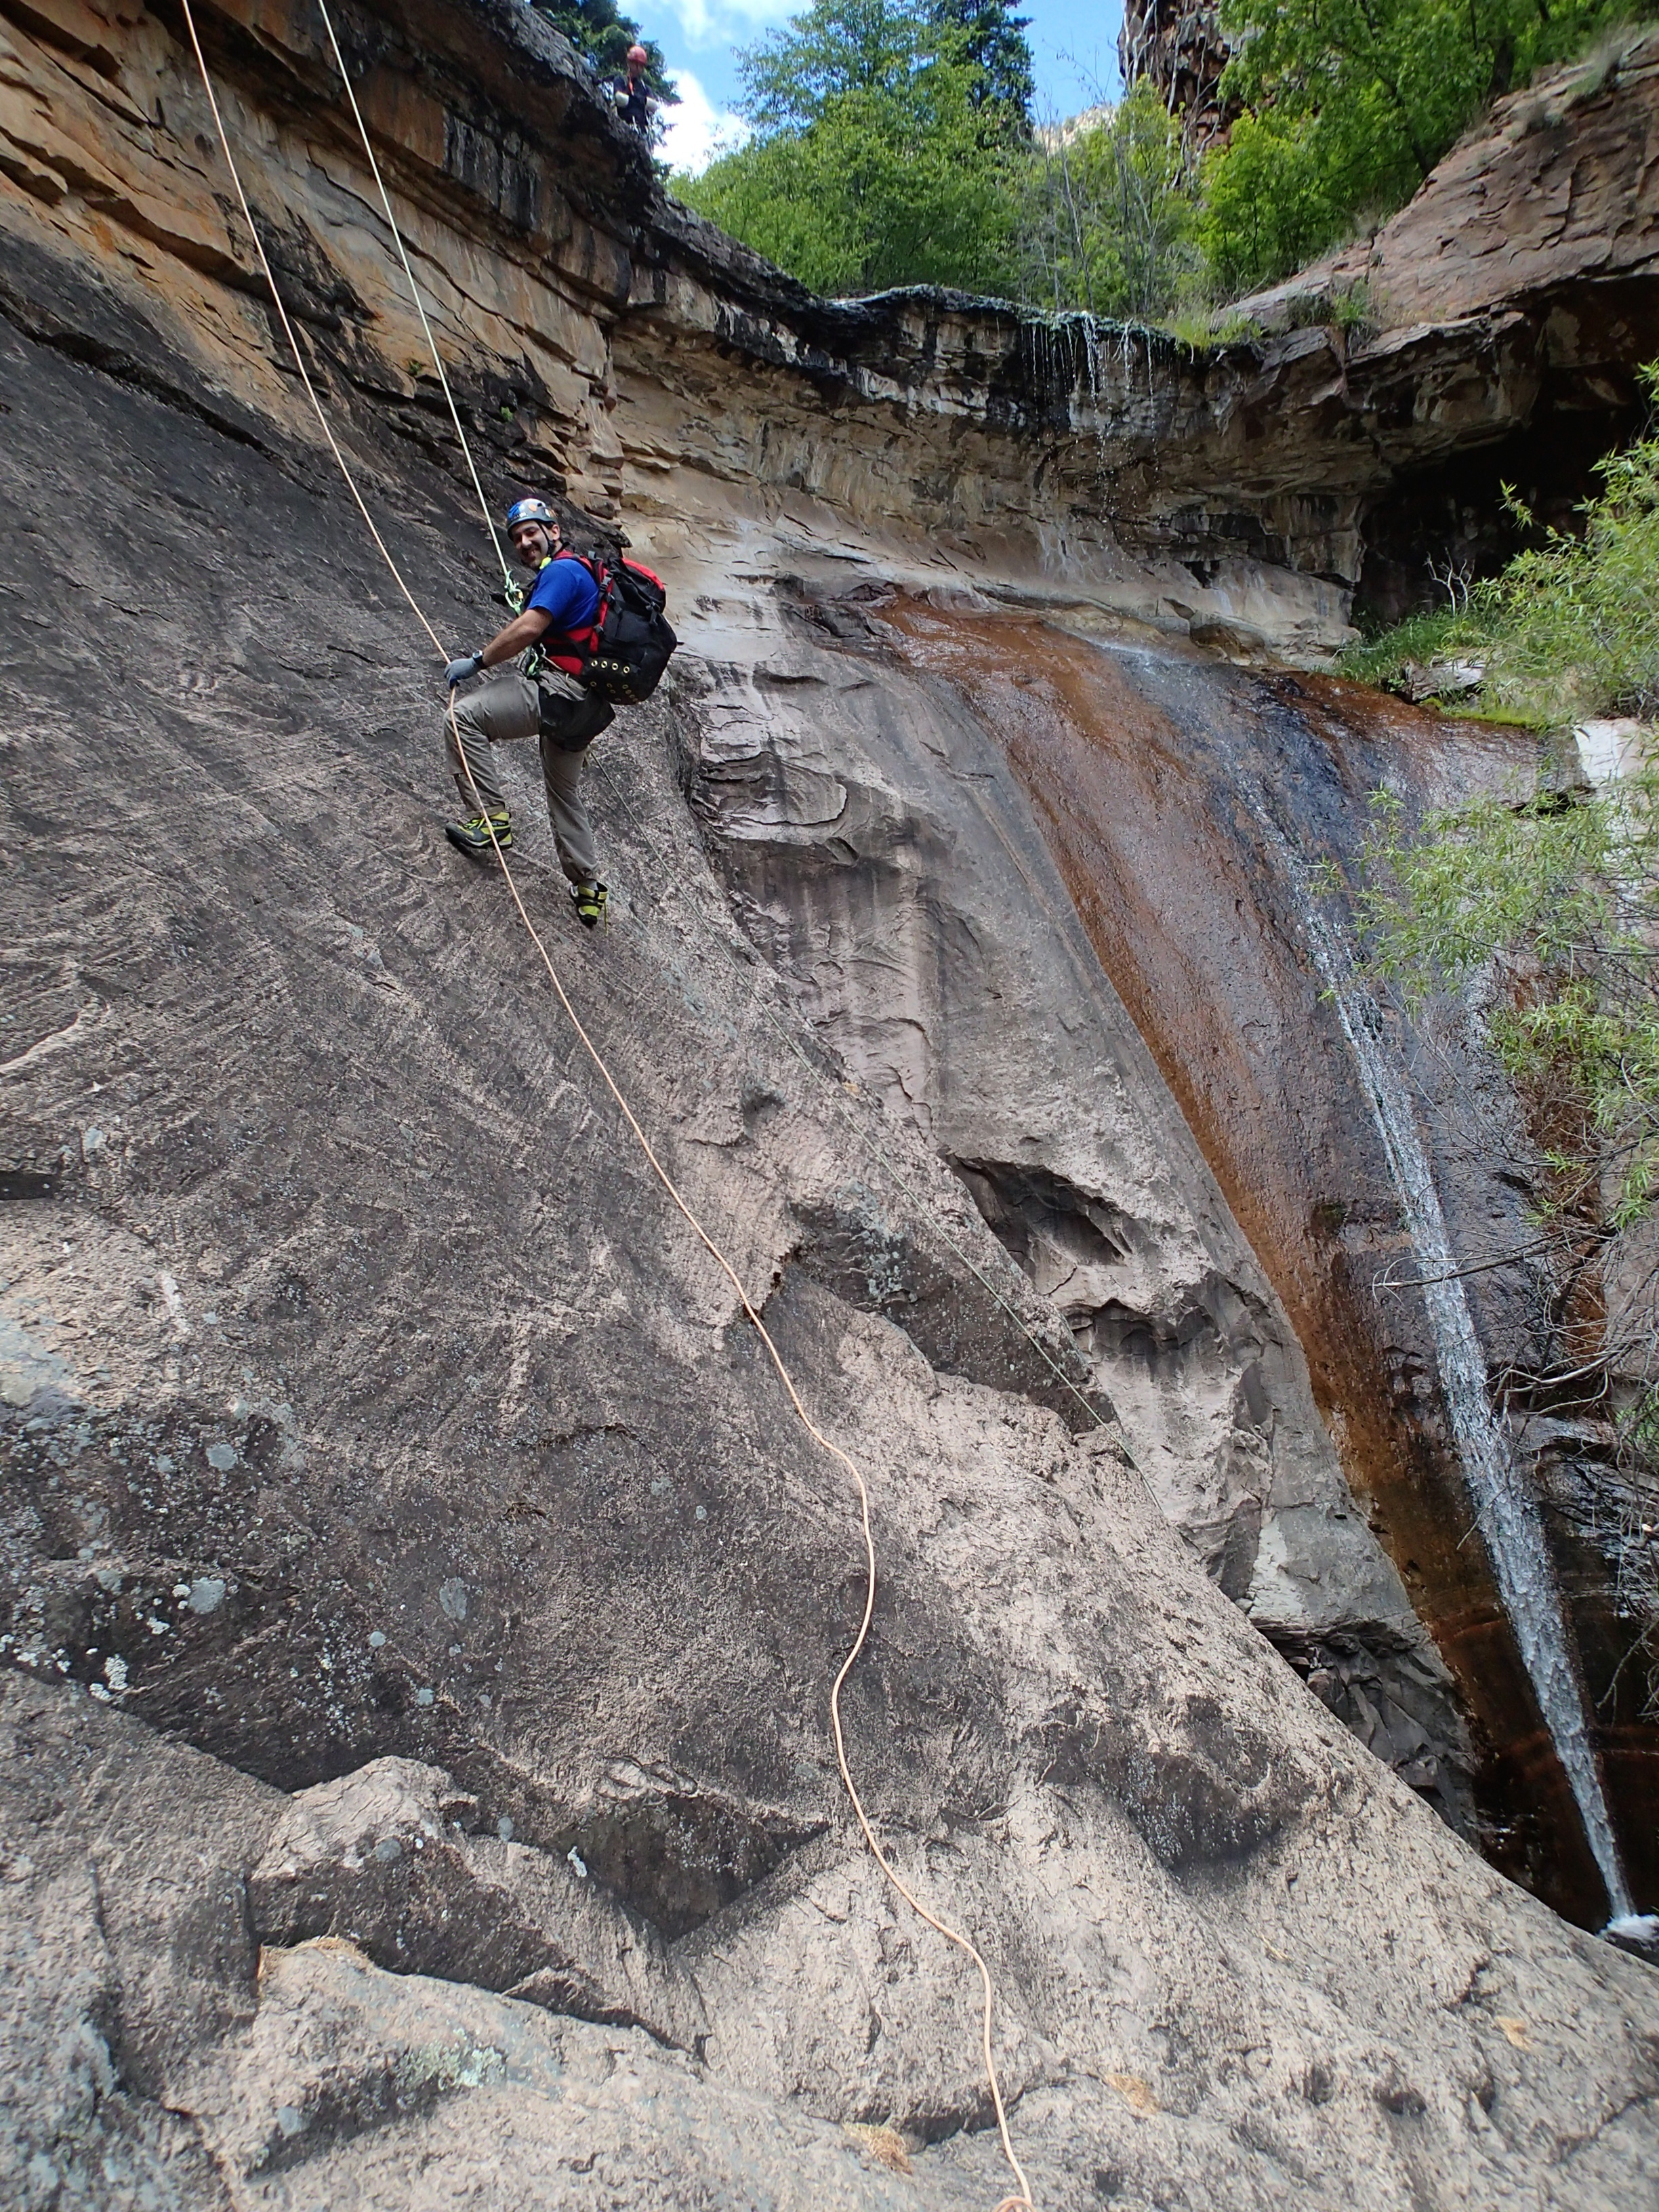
{"type": "Point", "coordinates": [1073, 43]}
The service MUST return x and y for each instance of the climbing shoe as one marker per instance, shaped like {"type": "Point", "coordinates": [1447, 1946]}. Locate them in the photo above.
{"type": "Point", "coordinates": [472, 836]}
{"type": "Point", "coordinates": [589, 900]}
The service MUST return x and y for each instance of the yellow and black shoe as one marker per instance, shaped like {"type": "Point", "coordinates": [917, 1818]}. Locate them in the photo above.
{"type": "Point", "coordinates": [472, 836]}
{"type": "Point", "coordinates": [589, 901]}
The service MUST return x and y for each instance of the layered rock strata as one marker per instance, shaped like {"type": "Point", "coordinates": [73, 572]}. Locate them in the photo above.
{"type": "Point", "coordinates": [1205, 492]}
{"type": "Point", "coordinates": [1527, 265]}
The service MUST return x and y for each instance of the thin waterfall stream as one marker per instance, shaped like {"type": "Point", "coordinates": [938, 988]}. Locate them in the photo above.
{"type": "Point", "coordinates": [1506, 1511]}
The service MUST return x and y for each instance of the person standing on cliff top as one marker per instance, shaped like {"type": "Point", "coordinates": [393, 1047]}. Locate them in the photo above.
{"type": "Point", "coordinates": [540, 697]}
{"type": "Point", "coordinates": [634, 101]}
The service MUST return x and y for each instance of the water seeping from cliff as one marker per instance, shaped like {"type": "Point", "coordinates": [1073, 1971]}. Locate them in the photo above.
{"type": "Point", "coordinates": [1078, 365]}
{"type": "Point", "coordinates": [1506, 1510]}
{"type": "Point", "coordinates": [1140, 762]}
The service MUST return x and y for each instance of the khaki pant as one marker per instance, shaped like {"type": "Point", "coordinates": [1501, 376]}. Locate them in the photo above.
{"type": "Point", "coordinates": [567, 718]}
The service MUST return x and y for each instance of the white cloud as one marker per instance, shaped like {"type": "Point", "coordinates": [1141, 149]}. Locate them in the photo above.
{"type": "Point", "coordinates": [729, 22]}
{"type": "Point", "coordinates": [696, 131]}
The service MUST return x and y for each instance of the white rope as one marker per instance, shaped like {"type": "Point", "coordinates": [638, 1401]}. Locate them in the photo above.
{"type": "Point", "coordinates": [298, 358]}
{"type": "Point", "coordinates": [1022, 2201]}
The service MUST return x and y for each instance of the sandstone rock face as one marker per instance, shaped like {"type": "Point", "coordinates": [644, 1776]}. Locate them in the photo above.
{"type": "Point", "coordinates": [1229, 495]}
{"type": "Point", "coordinates": [893, 870]}
{"type": "Point", "coordinates": [941, 957]}
{"type": "Point", "coordinates": [1185, 807]}
{"type": "Point", "coordinates": [420, 1605]}
{"type": "Point", "coordinates": [1179, 48]}
{"type": "Point", "coordinates": [1501, 319]}
{"type": "Point", "coordinates": [1549, 192]}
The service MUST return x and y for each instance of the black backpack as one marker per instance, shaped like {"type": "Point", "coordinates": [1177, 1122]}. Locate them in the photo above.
{"type": "Point", "coordinates": [632, 638]}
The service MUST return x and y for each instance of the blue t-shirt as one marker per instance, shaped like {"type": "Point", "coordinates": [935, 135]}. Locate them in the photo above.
{"type": "Point", "coordinates": [566, 591]}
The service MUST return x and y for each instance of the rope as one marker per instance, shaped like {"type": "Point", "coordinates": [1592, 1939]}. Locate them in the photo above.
{"type": "Point", "coordinates": [287, 327]}
{"type": "Point", "coordinates": [1023, 2201]}
{"type": "Point", "coordinates": [878, 1152]}
{"type": "Point", "coordinates": [875, 1150]}
{"type": "Point", "coordinates": [414, 295]}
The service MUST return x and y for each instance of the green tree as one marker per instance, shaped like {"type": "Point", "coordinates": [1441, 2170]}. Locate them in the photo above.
{"type": "Point", "coordinates": [1269, 203]}
{"type": "Point", "coordinates": [872, 165]}
{"type": "Point", "coordinates": [1107, 214]}
{"type": "Point", "coordinates": [836, 48]}
{"type": "Point", "coordinates": [1350, 103]}
{"type": "Point", "coordinates": [601, 37]}
{"type": "Point", "coordinates": [994, 40]}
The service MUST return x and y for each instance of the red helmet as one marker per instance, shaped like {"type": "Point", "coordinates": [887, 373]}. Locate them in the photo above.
{"type": "Point", "coordinates": [637, 54]}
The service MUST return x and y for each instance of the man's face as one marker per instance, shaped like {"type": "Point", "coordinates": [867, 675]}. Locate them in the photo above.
{"type": "Point", "coordinates": [535, 542]}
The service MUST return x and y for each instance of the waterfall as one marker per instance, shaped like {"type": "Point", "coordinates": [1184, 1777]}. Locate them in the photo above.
{"type": "Point", "coordinates": [1506, 1511]}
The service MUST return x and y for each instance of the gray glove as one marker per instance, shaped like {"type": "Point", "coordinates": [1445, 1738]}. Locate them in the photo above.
{"type": "Point", "coordinates": [458, 671]}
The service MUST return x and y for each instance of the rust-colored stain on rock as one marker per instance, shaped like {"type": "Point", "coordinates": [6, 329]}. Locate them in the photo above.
{"type": "Point", "coordinates": [1143, 769]}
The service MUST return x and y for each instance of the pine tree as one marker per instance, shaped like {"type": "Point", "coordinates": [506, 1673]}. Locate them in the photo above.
{"type": "Point", "coordinates": [994, 40]}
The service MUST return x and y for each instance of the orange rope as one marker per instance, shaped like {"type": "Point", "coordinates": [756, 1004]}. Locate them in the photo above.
{"type": "Point", "coordinates": [1022, 2201]}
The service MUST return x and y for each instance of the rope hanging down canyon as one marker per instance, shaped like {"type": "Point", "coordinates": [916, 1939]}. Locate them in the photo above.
{"type": "Point", "coordinates": [1023, 2201]}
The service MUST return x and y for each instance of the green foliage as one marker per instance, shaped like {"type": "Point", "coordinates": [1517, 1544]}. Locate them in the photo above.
{"type": "Point", "coordinates": [1421, 638]}
{"type": "Point", "coordinates": [795, 78]}
{"type": "Point", "coordinates": [1574, 625]}
{"type": "Point", "coordinates": [892, 145]}
{"type": "Point", "coordinates": [1350, 308]}
{"type": "Point", "coordinates": [1198, 327]}
{"type": "Point", "coordinates": [874, 163]}
{"type": "Point", "coordinates": [1561, 900]}
{"type": "Point", "coordinates": [602, 36]}
{"type": "Point", "coordinates": [1107, 215]}
{"type": "Point", "coordinates": [1268, 205]}
{"type": "Point", "coordinates": [1349, 104]}
{"type": "Point", "coordinates": [1551, 908]}
{"type": "Point", "coordinates": [995, 43]}
{"type": "Point", "coordinates": [1569, 629]}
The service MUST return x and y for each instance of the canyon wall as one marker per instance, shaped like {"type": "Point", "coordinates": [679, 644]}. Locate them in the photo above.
{"type": "Point", "coordinates": [1179, 49]}
{"type": "Point", "coordinates": [420, 1613]}
{"type": "Point", "coordinates": [1527, 264]}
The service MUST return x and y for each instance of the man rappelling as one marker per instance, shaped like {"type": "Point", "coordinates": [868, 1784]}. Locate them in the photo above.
{"type": "Point", "coordinates": [589, 632]}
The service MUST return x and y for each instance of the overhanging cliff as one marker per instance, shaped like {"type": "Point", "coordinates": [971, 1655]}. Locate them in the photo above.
{"type": "Point", "coordinates": [612, 340]}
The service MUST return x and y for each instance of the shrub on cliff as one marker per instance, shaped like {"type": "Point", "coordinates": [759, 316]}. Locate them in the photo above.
{"type": "Point", "coordinates": [1574, 626]}
{"type": "Point", "coordinates": [1557, 899]}
{"type": "Point", "coordinates": [882, 154]}
{"type": "Point", "coordinates": [1550, 910]}
{"type": "Point", "coordinates": [1548, 915]}
{"type": "Point", "coordinates": [1571, 629]}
